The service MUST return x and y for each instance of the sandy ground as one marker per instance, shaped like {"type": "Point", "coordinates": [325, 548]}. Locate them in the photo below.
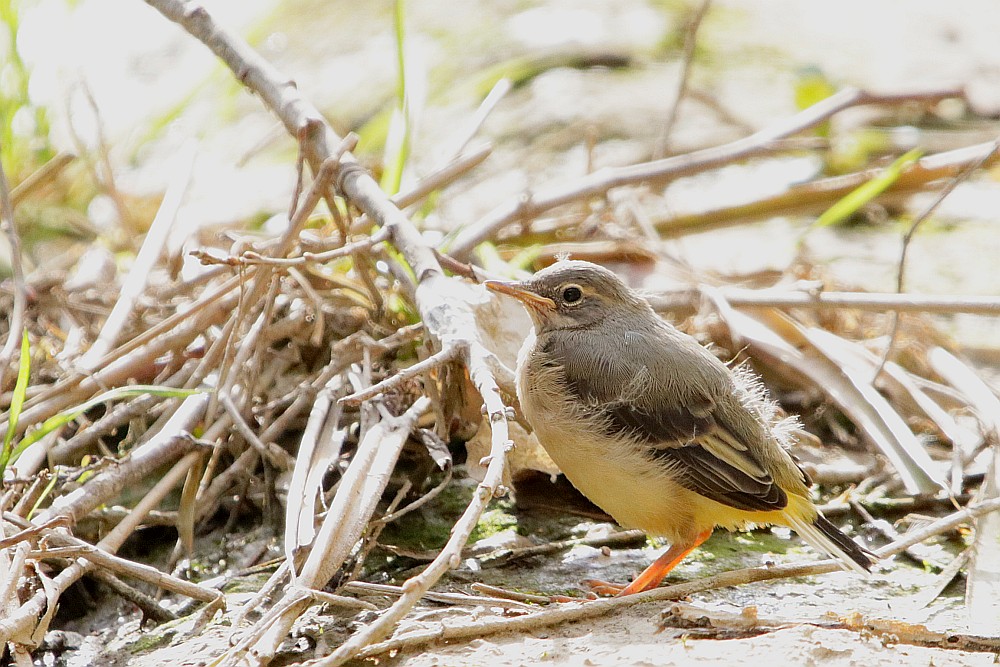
{"type": "Point", "coordinates": [632, 639]}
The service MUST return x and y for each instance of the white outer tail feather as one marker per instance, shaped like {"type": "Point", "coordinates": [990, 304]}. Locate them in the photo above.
{"type": "Point", "coordinates": [817, 540]}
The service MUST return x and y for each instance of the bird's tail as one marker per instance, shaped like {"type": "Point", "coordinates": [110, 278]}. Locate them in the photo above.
{"type": "Point", "coordinates": [822, 535]}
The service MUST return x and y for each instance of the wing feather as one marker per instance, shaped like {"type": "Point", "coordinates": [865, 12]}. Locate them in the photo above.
{"type": "Point", "coordinates": [704, 455]}
{"type": "Point", "coordinates": [689, 436]}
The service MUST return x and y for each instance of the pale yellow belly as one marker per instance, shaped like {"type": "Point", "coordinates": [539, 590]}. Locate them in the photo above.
{"type": "Point", "coordinates": [617, 477]}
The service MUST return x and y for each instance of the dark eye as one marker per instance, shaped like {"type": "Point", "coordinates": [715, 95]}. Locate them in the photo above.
{"type": "Point", "coordinates": [572, 294]}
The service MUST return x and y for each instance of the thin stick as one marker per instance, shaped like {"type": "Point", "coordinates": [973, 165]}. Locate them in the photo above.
{"type": "Point", "coordinates": [688, 299]}
{"type": "Point", "coordinates": [497, 93]}
{"type": "Point", "coordinates": [147, 604]}
{"type": "Point", "coordinates": [16, 330]}
{"type": "Point", "coordinates": [272, 457]}
{"type": "Point", "coordinates": [908, 237]}
{"type": "Point", "coordinates": [251, 257]}
{"type": "Point", "coordinates": [595, 184]}
{"type": "Point", "coordinates": [45, 174]}
{"type": "Point", "coordinates": [436, 596]}
{"type": "Point", "coordinates": [419, 502]}
{"type": "Point", "coordinates": [68, 546]}
{"type": "Point", "coordinates": [504, 594]}
{"type": "Point", "coordinates": [816, 194]}
{"type": "Point", "coordinates": [433, 181]}
{"type": "Point", "coordinates": [690, 42]}
{"type": "Point", "coordinates": [147, 257]}
{"type": "Point", "coordinates": [437, 359]}
{"type": "Point", "coordinates": [340, 600]}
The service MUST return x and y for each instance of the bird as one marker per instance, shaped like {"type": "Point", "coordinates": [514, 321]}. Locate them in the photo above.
{"type": "Point", "coordinates": [652, 427]}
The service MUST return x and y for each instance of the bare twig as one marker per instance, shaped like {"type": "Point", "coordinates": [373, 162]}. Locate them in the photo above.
{"type": "Point", "coordinates": [505, 594]}
{"type": "Point", "coordinates": [445, 304]}
{"type": "Point", "coordinates": [339, 600]}
{"type": "Point", "coordinates": [492, 99]}
{"type": "Point", "coordinates": [437, 359]}
{"type": "Point", "coordinates": [687, 59]}
{"type": "Point", "coordinates": [908, 237]}
{"type": "Point", "coordinates": [67, 546]}
{"type": "Point", "coordinates": [16, 324]}
{"type": "Point", "coordinates": [433, 181]}
{"type": "Point", "coordinates": [45, 174]}
{"type": "Point", "coordinates": [150, 606]}
{"type": "Point", "coordinates": [688, 299]}
{"type": "Point", "coordinates": [419, 502]}
{"type": "Point", "coordinates": [599, 182]}
{"type": "Point", "coordinates": [272, 456]}
{"type": "Point", "coordinates": [818, 194]}
{"type": "Point", "coordinates": [251, 257]}
{"type": "Point", "coordinates": [19, 626]}
{"type": "Point", "coordinates": [435, 596]}
{"type": "Point", "coordinates": [134, 284]}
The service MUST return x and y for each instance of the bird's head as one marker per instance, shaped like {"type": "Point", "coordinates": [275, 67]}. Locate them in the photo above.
{"type": "Point", "coordinates": [573, 294]}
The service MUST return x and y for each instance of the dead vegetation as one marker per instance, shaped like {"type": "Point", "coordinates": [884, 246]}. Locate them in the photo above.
{"type": "Point", "coordinates": [317, 378]}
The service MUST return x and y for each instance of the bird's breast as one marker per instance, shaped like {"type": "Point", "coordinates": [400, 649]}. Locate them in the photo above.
{"type": "Point", "coordinates": [608, 469]}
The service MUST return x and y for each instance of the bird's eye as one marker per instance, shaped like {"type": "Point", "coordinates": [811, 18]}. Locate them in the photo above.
{"type": "Point", "coordinates": [572, 294]}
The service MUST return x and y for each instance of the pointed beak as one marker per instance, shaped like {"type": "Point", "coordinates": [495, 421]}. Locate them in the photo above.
{"type": "Point", "coordinates": [522, 294]}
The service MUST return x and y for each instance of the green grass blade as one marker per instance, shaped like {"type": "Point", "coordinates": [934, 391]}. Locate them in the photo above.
{"type": "Point", "coordinates": [397, 143]}
{"type": "Point", "coordinates": [44, 494]}
{"type": "Point", "coordinates": [862, 195]}
{"type": "Point", "coordinates": [17, 400]}
{"type": "Point", "coordinates": [68, 415]}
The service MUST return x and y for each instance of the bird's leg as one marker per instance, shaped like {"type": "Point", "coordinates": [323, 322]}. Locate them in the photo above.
{"type": "Point", "coordinates": [655, 573]}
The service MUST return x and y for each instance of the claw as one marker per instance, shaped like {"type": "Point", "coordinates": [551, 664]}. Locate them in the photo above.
{"type": "Point", "coordinates": [606, 588]}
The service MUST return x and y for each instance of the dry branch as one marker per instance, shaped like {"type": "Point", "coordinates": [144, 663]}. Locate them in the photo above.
{"type": "Point", "coordinates": [814, 195]}
{"type": "Point", "coordinates": [599, 182]}
{"type": "Point", "coordinates": [430, 363]}
{"type": "Point", "coordinates": [66, 546]}
{"type": "Point", "coordinates": [727, 625]}
{"type": "Point", "coordinates": [876, 302]}
{"type": "Point", "coordinates": [27, 625]}
{"type": "Point", "coordinates": [687, 59]}
{"type": "Point", "coordinates": [445, 304]}
{"type": "Point", "coordinates": [152, 246]}
{"type": "Point", "coordinates": [16, 322]}
{"type": "Point", "coordinates": [911, 232]}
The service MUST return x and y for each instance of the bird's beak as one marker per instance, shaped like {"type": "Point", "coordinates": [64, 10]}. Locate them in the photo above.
{"type": "Point", "coordinates": [522, 294]}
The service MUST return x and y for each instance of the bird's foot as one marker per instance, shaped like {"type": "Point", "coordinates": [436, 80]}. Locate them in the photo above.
{"type": "Point", "coordinates": [605, 588]}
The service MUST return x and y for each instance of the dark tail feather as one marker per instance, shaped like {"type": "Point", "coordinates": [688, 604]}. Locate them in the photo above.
{"type": "Point", "coordinates": [847, 546]}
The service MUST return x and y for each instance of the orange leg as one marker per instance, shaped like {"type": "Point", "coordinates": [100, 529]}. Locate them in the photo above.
{"type": "Point", "coordinates": [657, 570]}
